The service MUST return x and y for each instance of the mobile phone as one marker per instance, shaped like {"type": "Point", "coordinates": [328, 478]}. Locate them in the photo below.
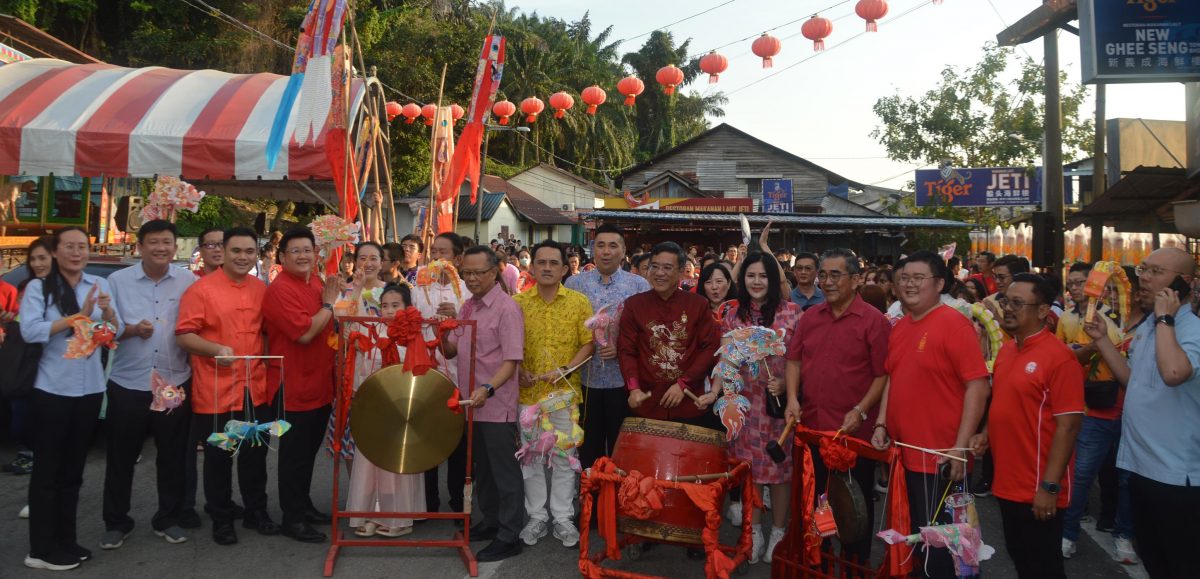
{"type": "Point", "coordinates": [1182, 288]}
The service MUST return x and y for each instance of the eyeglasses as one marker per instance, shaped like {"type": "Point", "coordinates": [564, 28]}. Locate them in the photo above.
{"type": "Point", "coordinates": [211, 245]}
{"type": "Point", "coordinates": [410, 247]}
{"type": "Point", "coordinates": [913, 280]}
{"type": "Point", "coordinates": [833, 276]}
{"type": "Point", "coordinates": [472, 274]}
{"type": "Point", "coordinates": [1013, 305]}
{"type": "Point", "coordinates": [1155, 271]}
{"type": "Point", "coordinates": [1075, 283]}
{"type": "Point", "coordinates": [300, 251]}
{"type": "Point", "coordinates": [667, 269]}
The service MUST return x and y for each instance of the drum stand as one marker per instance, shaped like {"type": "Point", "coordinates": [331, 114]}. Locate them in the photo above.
{"type": "Point", "coordinates": [605, 477]}
{"type": "Point", "coordinates": [461, 539]}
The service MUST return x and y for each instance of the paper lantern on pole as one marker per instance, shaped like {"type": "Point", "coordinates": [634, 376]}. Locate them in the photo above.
{"type": "Point", "coordinates": [669, 76]}
{"type": "Point", "coordinates": [817, 29]}
{"type": "Point", "coordinates": [429, 111]}
{"type": "Point", "coordinates": [631, 87]}
{"type": "Point", "coordinates": [593, 96]}
{"type": "Point", "coordinates": [532, 106]}
{"type": "Point", "coordinates": [713, 64]}
{"type": "Point", "coordinates": [561, 102]}
{"type": "Point", "coordinates": [766, 47]}
{"type": "Point", "coordinates": [410, 111]}
{"type": "Point", "coordinates": [504, 109]}
{"type": "Point", "coordinates": [871, 11]}
{"type": "Point", "coordinates": [456, 112]}
{"type": "Point", "coordinates": [393, 110]}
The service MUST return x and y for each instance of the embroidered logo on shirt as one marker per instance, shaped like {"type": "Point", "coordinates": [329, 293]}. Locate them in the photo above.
{"type": "Point", "coordinates": [1031, 367]}
{"type": "Point", "coordinates": [921, 344]}
{"type": "Point", "coordinates": [668, 346]}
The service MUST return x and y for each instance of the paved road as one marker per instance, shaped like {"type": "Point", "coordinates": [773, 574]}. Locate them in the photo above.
{"type": "Point", "coordinates": [145, 555]}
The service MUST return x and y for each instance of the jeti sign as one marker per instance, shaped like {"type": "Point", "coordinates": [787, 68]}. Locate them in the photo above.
{"type": "Point", "coordinates": [1140, 40]}
{"type": "Point", "coordinates": [777, 196]}
{"type": "Point", "coordinates": [978, 187]}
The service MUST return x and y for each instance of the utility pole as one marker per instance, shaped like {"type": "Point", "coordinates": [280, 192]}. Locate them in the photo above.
{"type": "Point", "coordinates": [1099, 174]}
{"type": "Point", "coordinates": [1052, 166]}
{"type": "Point", "coordinates": [488, 129]}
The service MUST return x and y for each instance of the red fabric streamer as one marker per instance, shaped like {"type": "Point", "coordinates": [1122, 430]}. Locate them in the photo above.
{"type": "Point", "coordinates": [811, 550]}
{"type": "Point", "coordinates": [837, 456]}
{"type": "Point", "coordinates": [608, 509]}
{"type": "Point", "coordinates": [639, 497]}
{"type": "Point", "coordinates": [898, 561]}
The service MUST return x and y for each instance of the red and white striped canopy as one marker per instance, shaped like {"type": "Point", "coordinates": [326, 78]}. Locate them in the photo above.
{"type": "Point", "coordinates": [99, 119]}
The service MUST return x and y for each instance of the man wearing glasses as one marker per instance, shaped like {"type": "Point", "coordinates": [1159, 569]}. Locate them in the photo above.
{"type": "Point", "coordinates": [667, 343]}
{"type": "Point", "coordinates": [212, 251]}
{"type": "Point", "coordinates": [497, 351]}
{"type": "Point", "coordinates": [1159, 429]}
{"type": "Point", "coordinates": [806, 293]}
{"type": "Point", "coordinates": [935, 396]}
{"type": "Point", "coordinates": [297, 312]}
{"type": "Point", "coordinates": [1034, 418]}
{"type": "Point", "coordinates": [836, 371]}
{"type": "Point", "coordinates": [1004, 269]}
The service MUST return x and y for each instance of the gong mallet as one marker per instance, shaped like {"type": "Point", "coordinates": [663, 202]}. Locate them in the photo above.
{"type": "Point", "coordinates": [775, 447]}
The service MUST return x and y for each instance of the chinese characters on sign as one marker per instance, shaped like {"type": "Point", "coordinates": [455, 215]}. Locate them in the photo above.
{"type": "Point", "coordinates": [777, 195]}
{"type": "Point", "coordinates": [1140, 40]}
{"type": "Point", "coordinates": [978, 187]}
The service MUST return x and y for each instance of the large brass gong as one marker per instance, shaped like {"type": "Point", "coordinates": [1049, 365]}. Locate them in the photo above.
{"type": "Point", "coordinates": [401, 423]}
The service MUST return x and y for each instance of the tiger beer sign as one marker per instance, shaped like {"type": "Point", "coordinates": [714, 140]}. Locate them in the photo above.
{"type": "Point", "coordinates": [978, 187]}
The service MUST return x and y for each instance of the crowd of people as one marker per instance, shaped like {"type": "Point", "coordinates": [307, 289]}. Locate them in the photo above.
{"type": "Point", "coordinates": [887, 353]}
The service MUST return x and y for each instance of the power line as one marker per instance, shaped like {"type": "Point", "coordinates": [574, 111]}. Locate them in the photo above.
{"type": "Point", "coordinates": [773, 28]}
{"type": "Point", "coordinates": [684, 19]}
{"type": "Point", "coordinates": [617, 170]}
{"type": "Point", "coordinates": [901, 174]}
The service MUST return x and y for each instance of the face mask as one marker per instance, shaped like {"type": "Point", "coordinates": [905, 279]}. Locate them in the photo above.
{"type": "Point", "coordinates": [524, 261]}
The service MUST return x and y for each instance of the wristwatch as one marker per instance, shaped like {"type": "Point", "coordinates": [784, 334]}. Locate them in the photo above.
{"type": "Point", "coordinates": [327, 307]}
{"type": "Point", "coordinates": [491, 389]}
{"type": "Point", "coordinates": [1168, 319]}
{"type": "Point", "coordinates": [1050, 487]}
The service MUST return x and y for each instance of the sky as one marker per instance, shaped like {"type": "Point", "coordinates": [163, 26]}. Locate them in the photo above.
{"type": "Point", "coordinates": [821, 108]}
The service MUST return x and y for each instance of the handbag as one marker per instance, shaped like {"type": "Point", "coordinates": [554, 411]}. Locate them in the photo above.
{"type": "Point", "coordinates": [18, 363]}
{"type": "Point", "coordinates": [1100, 394]}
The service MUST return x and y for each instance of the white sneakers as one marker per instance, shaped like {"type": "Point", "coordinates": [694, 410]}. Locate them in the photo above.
{"type": "Point", "coordinates": [567, 533]}
{"type": "Point", "coordinates": [24, 514]}
{"type": "Point", "coordinates": [734, 513]}
{"type": "Point", "coordinates": [756, 545]}
{"type": "Point", "coordinates": [776, 536]}
{"type": "Point", "coordinates": [1068, 548]}
{"type": "Point", "coordinates": [1125, 553]}
{"type": "Point", "coordinates": [533, 531]}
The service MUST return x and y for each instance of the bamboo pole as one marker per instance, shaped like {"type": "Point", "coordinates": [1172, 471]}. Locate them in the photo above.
{"type": "Point", "coordinates": [431, 213]}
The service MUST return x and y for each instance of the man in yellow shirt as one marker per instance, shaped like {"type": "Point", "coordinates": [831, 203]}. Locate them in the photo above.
{"type": "Point", "coordinates": [556, 341]}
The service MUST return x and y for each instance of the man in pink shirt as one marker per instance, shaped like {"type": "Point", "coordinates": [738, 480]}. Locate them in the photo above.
{"type": "Point", "coordinates": [498, 350]}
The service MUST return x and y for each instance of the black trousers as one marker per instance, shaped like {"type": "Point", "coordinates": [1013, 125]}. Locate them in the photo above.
{"type": "Point", "coordinates": [62, 430]}
{"type": "Point", "coordinates": [1164, 517]}
{"type": "Point", "coordinates": [1034, 546]}
{"type": "Point", "coordinates": [218, 467]}
{"type": "Point", "coordinates": [499, 487]}
{"type": "Point", "coordinates": [128, 418]}
{"type": "Point", "coordinates": [456, 477]}
{"type": "Point", "coordinates": [297, 453]}
{"type": "Point", "coordinates": [924, 493]}
{"type": "Point", "coordinates": [863, 473]}
{"type": "Point", "coordinates": [604, 409]}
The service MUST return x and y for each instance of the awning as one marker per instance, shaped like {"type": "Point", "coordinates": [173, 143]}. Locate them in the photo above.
{"type": "Point", "coordinates": [98, 119]}
{"type": "Point", "coordinates": [815, 223]}
{"type": "Point", "coordinates": [1141, 201]}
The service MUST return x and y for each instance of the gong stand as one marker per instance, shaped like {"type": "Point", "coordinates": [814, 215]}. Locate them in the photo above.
{"type": "Point", "coordinates": [338, 539]}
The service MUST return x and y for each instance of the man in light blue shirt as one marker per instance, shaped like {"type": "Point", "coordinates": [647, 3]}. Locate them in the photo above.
{"type": "Point", "coordinates": [606, 401]}
{"type": "Point", "coordinates": [147, 295]}
{"type": "Point", "coordinates": [806, 293]}
{"type": "Point", "coordinates": [1160, 430]}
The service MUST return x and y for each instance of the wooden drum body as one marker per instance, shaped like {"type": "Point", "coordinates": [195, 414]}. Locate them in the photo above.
{"type": "Point", "coordinates": [666, 450]}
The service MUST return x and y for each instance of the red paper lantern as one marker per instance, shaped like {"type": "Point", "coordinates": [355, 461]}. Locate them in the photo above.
{"type": "Point", "coordinates": [561, 102]}
{"type": "Point", "coordinates": [714, 64]}
{"type": "Point", "coordinates": [766, 47]}
{"type": "Point", "coordinates": [531, 107]}
{"type": "Point", "coordinates": [429, 111]}
{"type": "Point", "coordinates": [393, 109]}
{"type": "Point", "coordinates": [593, 96]}
{"type": "Point", "coordinates": [456, 112]}
{"type": "Point", "coordinates": [504, 109]}
{"type": "Point", "coordinates": [410, 111]}
{"type": "Point", "coordinates": [631, 87]}
{"type": "Point", "coordinates": [669, 76]}
{"type": "Point", "coordinates": [871, 10]}
{"type": "Point", "coordinates": [817, 29]}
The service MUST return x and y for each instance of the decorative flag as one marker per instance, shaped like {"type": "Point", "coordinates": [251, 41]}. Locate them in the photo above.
{"type": "Point", "coordinates": [311, 71]}
{"type": "Point", "coordinates": [441, 143]}
{"type": "Point", "coordinates": [465, 163]}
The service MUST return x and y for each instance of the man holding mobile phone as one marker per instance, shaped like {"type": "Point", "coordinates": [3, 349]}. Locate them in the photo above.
{"type": "Point", "coordinates": [1162, 401]}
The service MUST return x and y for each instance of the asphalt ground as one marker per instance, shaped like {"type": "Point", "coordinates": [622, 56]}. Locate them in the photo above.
{"type": "Point", "coordinates": [146, 556]}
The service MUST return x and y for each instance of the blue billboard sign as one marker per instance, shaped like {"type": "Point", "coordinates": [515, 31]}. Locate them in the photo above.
{"type": "Point", "coordinates": [1140, 40]}
{"type": "Point", "coordinates": [978, 187]}
{"type": "Point", "coordinates": [777, 195]}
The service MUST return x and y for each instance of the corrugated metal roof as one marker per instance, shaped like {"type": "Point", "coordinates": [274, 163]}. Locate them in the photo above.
{"type": "Point", "coordinates": [821, 221]}
{"type": "Point", "coordinates": [491, 202]}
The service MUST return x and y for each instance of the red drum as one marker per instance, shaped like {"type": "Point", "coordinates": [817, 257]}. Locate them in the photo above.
{"type": "Point", "coordinates": [665, 450]}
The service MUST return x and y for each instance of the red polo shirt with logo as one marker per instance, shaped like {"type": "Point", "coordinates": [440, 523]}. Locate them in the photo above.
{"type": "Point", "coordinates": [1032, 385]}
{"type": "Point", "coordinates": [289, 305]}
{"type": "Point", "coordinates": [929, 363]}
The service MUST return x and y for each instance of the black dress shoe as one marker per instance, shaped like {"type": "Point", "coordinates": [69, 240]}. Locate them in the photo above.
{"type": "Point", "coordinates": [315, 517]}
{"type": "Point", "coordinates": [77, 550]}
{"type": "Point", "coordinates": [224, 534]}
{"type": "Point", "coordinates": [260, 521]}
{"type": "Point", "coordinates": [189, 519]}
{"type": "Point", "coordinates": [480, 533]}
{"type": "Point", "coordinates": [498, 551]}
{"type": "Point", "coordinates": [304, 533]}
